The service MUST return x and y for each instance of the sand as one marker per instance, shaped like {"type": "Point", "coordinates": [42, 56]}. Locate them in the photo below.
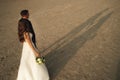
{"type": "Point", "coordinates": [79, 38]}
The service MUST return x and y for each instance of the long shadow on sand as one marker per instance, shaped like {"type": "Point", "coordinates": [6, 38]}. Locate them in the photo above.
{"type": "Point", "coordinates": [66, 47]}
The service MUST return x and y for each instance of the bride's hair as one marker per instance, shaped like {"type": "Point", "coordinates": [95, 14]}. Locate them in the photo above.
{"type": "Point", "coordinates": [21, 30]}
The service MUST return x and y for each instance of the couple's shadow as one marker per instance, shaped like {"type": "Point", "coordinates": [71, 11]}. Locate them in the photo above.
{"type": "Point", "coordinates": [66, 47]}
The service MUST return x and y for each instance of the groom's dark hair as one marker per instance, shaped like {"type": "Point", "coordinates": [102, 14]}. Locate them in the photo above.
{"type": "Point", "coordinates": [24, 12]}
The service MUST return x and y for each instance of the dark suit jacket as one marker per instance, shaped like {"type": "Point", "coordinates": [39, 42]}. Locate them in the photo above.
{"type": "Point", "coordinates": [28, 27]}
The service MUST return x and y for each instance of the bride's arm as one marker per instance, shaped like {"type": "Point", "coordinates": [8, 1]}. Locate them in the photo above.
{"type": "Point", "coordinates": [27, 39]}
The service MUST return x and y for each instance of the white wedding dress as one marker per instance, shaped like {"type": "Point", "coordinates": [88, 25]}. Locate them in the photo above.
{"type": "Point", "coordinates": [29, 69]}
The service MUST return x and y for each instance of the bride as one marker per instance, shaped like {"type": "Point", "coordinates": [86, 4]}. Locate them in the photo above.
{"type": "Point", "coordinates": [32, 66]}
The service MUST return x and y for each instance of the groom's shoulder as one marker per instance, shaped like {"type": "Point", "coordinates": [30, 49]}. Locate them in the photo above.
{"type": "Point", "coordinates": [24, 20]}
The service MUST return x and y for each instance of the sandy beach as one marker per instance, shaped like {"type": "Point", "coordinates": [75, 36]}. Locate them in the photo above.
{"type": "Point", "coordinates": [80, 39]}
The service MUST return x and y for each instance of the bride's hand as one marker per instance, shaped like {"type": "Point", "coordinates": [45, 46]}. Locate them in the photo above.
{"type": "Point", "coordinates": [37, 54]}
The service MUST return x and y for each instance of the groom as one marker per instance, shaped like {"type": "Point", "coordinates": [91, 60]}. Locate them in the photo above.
{"type": "Point", "coordinates": [26, 23]}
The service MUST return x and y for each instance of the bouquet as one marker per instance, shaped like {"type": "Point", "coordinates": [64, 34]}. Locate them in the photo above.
{"type": "Point", "coordinates": [40, 60]}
